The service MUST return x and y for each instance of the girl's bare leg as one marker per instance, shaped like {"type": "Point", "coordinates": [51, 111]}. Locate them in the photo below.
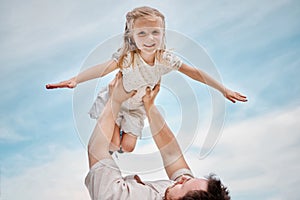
{"type": "Point", "coordinates": [128, 142]}
{"type": "Point", "coordinates": [116, 139]}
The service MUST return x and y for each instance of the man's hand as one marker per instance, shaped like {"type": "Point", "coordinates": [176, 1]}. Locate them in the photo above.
{"type": "Point", "coordinates": [150, 96]}
{"type": "Point", "coordinates": [116, 90]}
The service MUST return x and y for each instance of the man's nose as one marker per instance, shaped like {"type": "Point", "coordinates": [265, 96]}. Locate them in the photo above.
{"type": "Point", "coordinates": [183, 179]}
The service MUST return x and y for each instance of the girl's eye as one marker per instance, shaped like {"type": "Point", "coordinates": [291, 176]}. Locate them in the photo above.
{"type": "Point", "coordinates": [142, 33]}
{"type": "Point", "coordinates": [156, 32]}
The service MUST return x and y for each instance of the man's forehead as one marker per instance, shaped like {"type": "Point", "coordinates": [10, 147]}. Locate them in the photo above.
{"type": "Point", "coordinates": [201, 183]}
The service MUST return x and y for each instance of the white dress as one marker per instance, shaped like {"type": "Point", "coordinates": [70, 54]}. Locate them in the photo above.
{"type": "Point", "coordinates": [136, 77]}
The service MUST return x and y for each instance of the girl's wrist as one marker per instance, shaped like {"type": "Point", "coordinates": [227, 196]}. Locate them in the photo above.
{"type": "Point", "coordinates": [224, 91]}
{"type": "Point", "coordinates": [75, 79]}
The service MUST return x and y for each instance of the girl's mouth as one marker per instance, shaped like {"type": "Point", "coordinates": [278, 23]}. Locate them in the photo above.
{"type": "Point", "coordinates": [149, 46]}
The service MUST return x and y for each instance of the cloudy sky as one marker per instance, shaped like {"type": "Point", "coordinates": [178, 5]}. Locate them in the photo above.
{"type": "Point", "coordinates": [251, 47]}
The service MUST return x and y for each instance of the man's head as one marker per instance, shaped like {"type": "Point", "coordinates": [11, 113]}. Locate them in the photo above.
{"type": "Point", "coordinates": [209, 188]}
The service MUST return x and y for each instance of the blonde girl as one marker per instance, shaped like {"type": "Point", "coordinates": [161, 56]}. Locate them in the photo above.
{"type": "Point", "coordinates": [142, 60]}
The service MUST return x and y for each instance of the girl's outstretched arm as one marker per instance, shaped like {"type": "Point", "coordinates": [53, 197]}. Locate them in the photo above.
{"type": "Point", "coordinates": [96, 71]}
{"type": "Point", "coordinates": [203, 77]}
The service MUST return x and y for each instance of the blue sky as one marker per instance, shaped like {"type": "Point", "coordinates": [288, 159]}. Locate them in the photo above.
{"type": "Point", "coordinates": [254, 46]}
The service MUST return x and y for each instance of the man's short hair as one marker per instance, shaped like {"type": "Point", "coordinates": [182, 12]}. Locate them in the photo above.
{"type": "Point", "coordinates": [215, 191]}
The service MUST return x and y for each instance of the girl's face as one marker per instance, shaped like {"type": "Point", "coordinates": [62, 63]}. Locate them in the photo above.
{"type": "Point", "coordinates": [148, 35]}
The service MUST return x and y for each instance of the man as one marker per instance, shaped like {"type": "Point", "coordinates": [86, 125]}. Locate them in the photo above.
{"type": "Point", "coordinates": [104, 180]}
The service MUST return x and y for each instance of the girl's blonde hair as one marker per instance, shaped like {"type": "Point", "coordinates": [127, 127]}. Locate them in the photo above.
{"type": "Point", "coordinates": [128, 42]}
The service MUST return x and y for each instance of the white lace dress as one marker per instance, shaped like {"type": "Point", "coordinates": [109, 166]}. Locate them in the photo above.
{"type": "Point", "coordinates": [136, 77]}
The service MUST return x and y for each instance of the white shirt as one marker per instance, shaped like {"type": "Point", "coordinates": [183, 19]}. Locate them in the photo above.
{"type": "Point", "coordinates": [105, 182]}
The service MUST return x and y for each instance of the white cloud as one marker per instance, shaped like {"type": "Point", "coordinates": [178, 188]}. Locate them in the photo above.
{"type": "Point", "coordinates": [62, 178]}
{"type": "Point", "coordinates": [8, 135]}
{"type": "Point", "coordinates": [39, 30]}
{"type": "Point", "coordinates": [256, 158]}
{"type": "Point", "coordinates": [251, 156]}
{"type": "Point", "coordinates": [258, 155]}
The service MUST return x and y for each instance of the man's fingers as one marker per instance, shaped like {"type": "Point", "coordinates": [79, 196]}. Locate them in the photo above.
{"type": "Point", "coordinates": [132, 93]}
{"type": "Point", "coordinates": [154, 91]}
{"type": "Point", "coordinates": [148, 91]}
{"type": "Point", "coordinates": [156, 88]}
{"type": "Point", "coordinates": [114, 82]}
{"type": "Point", "coordinates": [119, 75]}
{"type": "Point", "coordinates": [119, 78]}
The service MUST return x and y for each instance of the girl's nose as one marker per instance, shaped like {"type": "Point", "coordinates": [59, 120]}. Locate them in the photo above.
{"type": "Point", "coordinates": [150, 37]}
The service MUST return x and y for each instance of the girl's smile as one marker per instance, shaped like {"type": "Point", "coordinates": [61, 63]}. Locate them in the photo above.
{"type": "Point", "coordinates": [148, 36]}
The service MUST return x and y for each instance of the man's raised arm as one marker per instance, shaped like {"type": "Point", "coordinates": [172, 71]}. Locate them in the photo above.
{"type": "Point", "coordinates": [98, 147]}
{"type": "Point", "coordinates": [164, 138]}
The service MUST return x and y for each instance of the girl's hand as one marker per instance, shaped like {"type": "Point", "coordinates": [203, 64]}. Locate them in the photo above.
{"type": "Point", "coordinates": [234, 96]}
{"type": "Point", "coordinates": [71, 83]}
